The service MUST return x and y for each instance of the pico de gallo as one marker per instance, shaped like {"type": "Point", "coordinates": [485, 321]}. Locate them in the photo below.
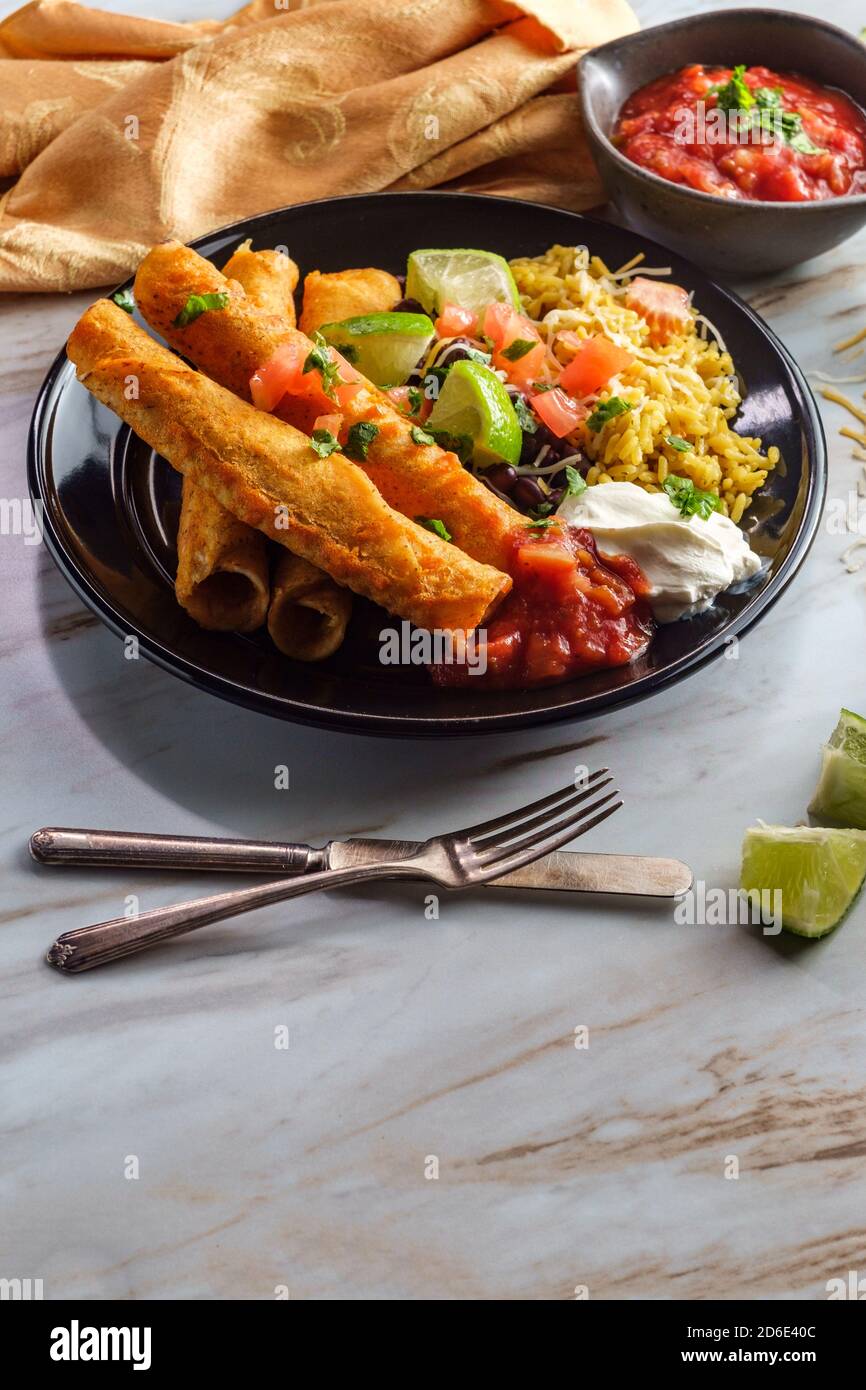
{"type": "Point", "coordinates": [746, 133]}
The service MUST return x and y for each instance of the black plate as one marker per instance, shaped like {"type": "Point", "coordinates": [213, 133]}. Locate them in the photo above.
{"type": "Point", "coordinates": [111, 505]}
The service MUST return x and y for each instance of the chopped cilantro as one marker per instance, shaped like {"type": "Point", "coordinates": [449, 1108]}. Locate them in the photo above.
{"type": "Point", "coordinates": [415, 400]}
{"type": "Point", "coordinates": [420, 436]}
{"type": "Point", "coordinates": [768, 98]}
{"type": "Point", "coordinates": [359, 439]}
{"type": "Point", "coordinates": [519, 348]}
{"type": "Point", "coordinates": [540, 523]}
{"type": "Point", "coordinates": [124, 300]}
{"type": "Point", "coordinates": [198, 304]}
{"type": "Point", "coordinates": [575, 482]}
{"type": "Point", "coordinates": [319, 360]}
{"type": "Point", "coordinates": [459, 444]}
{"type": "Point", "coordinates": [525, 418]}
{"type": "Point", "coordinates": [734, 95]}
{"type": "Point", "coordinates": [607, 410]}
{"type": "Point", "coordinates": [473, 354]}
{"type": "Point", "coordinates": [682, 446]}
{"type": "Point", "coordinates": [432, 523]}
{"type": "Point", "coordinates": [688, 499]}
{"type": "Point", "coordinates": [324, 443]}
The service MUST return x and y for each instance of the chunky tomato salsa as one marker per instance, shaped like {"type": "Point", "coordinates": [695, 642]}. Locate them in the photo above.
{"type": "Point", "coordinates": [747, 133]}
{"type": "Point", "coordinates": [570, 611]}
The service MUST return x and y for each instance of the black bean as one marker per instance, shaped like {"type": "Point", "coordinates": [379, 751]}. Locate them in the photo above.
{"type": "Point", "coordinates": [527, 493]}
{"type": "Point", "coordinates": [555, 496]}
{"type": "Point", "coordinates": [408, 306]}
{"type": "Point", "coordinates": [502, 476]}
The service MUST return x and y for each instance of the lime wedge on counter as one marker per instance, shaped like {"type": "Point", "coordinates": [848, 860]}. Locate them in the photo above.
{"type": "Point", "coordinates": [472, 279]}
{"type": "Point", "coordinates": [475, 409]}
{"type": "Point", "coordinates": [840, 796]}
{"type": "Point", "coordinates": [818, 871]}
{"type": "Point", "coordinates": [383, 347]}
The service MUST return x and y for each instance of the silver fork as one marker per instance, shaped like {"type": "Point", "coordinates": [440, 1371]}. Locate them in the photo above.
{"type": "Point", "coordinates": [459, 860]}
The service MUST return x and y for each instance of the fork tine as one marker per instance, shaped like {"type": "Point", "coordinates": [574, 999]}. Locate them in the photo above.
{"type": "Point", "coordinates": [499, 822]}
{"type": "Point", "coordinates": [537, 845]}
{"type": "Point", "coordinates": [487, 846]}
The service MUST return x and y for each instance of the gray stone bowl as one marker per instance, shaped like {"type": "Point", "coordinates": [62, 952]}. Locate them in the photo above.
{"type": "Point", "coordinates": [732, 238]}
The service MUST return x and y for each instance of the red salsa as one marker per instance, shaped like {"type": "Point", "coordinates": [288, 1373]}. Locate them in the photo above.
{"type": "Point", "coordinates": [747, 133]}
{"type": "Point", "coordinates": [570, 611]}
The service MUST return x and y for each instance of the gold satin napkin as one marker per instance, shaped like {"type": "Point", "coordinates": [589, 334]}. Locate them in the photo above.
{"type": "Point", "coordinates": [121, 132]}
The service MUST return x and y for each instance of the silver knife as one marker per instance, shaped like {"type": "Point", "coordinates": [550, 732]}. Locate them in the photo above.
{"type": "Point", "coordinates": [564, 871]}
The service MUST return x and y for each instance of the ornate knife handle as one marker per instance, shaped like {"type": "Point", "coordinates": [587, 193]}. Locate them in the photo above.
{"type": "Point", "coordinates": [108, 849]}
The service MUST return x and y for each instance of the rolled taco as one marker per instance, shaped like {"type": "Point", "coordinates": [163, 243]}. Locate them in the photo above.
{"type": "Point", "coordinates": [238, 341]}
{"type": "Point", "coordinates": [270, 278]}
{"type": "Point", "coordinates": [309, 613]}
{"type": "Point", "coordinates": [222, 565]}
{"type": "Point", "coordinates": [267, 474]}
{"type": "Point", "coordinates": [345, 294]}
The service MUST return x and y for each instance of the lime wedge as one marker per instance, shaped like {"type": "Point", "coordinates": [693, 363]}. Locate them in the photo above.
{"type": "Point", "coordinates": [474, 416]}
{"type": "Point", "coordinates": [383, 347]}
{"type": "Point", "coordinates": [472, 279]}
{"type": "Point", "coordinates": [818, 872]}
{"type": "Point", "coordinates": [840, 796]}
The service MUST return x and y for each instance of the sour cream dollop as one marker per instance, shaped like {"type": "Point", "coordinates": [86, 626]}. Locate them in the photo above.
{"type": "Point", "coordinates": [686, 560]}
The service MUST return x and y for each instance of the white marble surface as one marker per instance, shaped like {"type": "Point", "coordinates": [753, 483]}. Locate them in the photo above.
{"type": "Point", "coordinates": [305, 1167]}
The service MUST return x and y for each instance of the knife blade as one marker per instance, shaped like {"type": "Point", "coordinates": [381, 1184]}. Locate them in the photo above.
{"type": "Point", "coordinates": [565, 871]}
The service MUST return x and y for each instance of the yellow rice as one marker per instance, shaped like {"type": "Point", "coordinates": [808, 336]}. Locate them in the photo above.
{"type": "Point", "coordinates": [686, 388]}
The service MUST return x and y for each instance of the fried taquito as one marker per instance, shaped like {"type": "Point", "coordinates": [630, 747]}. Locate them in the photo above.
{"type": "Point", "coordinates": [267, 474]}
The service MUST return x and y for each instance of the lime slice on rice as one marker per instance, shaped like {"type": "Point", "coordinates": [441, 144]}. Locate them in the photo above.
{"type": "Point", "coordinates": [840, 796]}
{"type": "Point", "coordinates": [474, 416]}
{"type": "Point", "coordinates": [383, 347]}
{"type": "Point", "coordinates": [472, 279]}
{"type": "Point", "coordinates": [818, 871]}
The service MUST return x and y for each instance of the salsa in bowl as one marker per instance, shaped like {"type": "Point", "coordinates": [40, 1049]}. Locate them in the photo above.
{"type": "Point", "coordinates": [746, 132]}
{"type": "Point", "coordinates": [737, 137]}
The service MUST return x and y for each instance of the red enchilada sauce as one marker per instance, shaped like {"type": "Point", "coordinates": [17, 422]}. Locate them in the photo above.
{"type": "Point", "coordinates": [571, 611]}
{"type": "Point", "coordinates": [791, 140]}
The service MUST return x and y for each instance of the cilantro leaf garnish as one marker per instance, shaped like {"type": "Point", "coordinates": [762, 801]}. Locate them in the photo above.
{"type": "Point", "coordinates": [607, 410]}
{"type": "Point", "coordinates": [459, 444]}
{"type": "Point", "coordinates": [319, 360]}
{"type": "Point", "coordinates": [199, 304]}
{"type": "Point", "coordinates": [324, 443]}
{"type": "Point", "coordinates": [420, 436]}
{"type": "Point", "coordinates": [525, 418]}
{"type": "Point", "coordinates": [415, 400]}
{"type": "Point", "coordinates": [682, 446]}
{"type": "Point", "coordinates": [519, 348]}
{"type": "Point", "coordinates": [124, 300]}
{"type": "Point", "coordinates": [735, 94]}
{"type": "Point", "coordinates": [432, 523]}
{"type": "Point", "coordinates": [540, 523]}
{"type": "Point", "coordinates": [359, 439]}
{"type": "Point", "coordinates": [689, 500]}
{"type": "Point", "coordinates": [575, 482]}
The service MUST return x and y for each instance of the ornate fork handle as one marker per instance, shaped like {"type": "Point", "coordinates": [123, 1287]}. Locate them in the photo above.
{"type": "Point", "coordinates": [86, 947]}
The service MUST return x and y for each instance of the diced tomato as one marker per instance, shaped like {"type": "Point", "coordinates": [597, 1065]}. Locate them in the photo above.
{"type": "Point", "coordinates": [284, 373]}
{"type": "Point", "coordinates": [331, 423]}
{"type": "Point", "coordinates": [281, 373]}
{"type": "Point", "coordinates": [502, 324]}
{"type": "Point", "coordinates": [505, 327]}
{"type": "Point", "coordinates": [545, 558]}
{"type": "Point", "coordinates": [593, 365]}
{"type": "Point", "coordinates": [454, 322]}
{"type": "Point", "coordinates": [665, 307]}
{"type": "Point", "coordinates": [558, 411]}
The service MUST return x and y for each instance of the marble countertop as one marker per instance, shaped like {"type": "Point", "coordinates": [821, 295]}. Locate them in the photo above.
{"type": "Point", "coordinates": [198, 1157]}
